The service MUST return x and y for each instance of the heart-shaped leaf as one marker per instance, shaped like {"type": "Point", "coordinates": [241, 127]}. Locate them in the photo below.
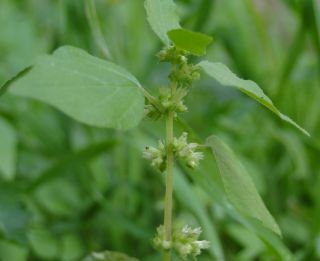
{"type": "Point", "coordinates": [88, 89]}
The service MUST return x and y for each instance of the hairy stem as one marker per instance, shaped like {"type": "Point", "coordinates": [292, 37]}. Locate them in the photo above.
{"type": "Point", "coordinates": [169, 179]}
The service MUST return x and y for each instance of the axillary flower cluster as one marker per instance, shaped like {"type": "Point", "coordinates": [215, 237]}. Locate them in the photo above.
{"type": "Point", "coordinates": [183, 74]}
{"type": "Point", "coordinates": [168, 104]}
{"type": "Point", "coordinates": [181, 148]}
{"type": "Point", "coordinates": [184, 241]}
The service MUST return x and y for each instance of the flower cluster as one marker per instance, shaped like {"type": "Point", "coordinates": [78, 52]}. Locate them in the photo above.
{"type": "Point", "coordinates": [157, 156]}
{"type": "Point", "coordinates": [184, 73]}
{"type": "Point", "coordinates": [172, 55]}
{"type": "Point", "coordinates": [181, 148]}
{"type": "Point", "coordinates": [168, 101]}
{"type": "Point", "coordinates": [173, 102]}
{"type": "Point", "coordinates": [159, 241]}
{"type": "Point", "coordinates": [187, 151]}
{"type": "Point", "coordinates": [184, 241]}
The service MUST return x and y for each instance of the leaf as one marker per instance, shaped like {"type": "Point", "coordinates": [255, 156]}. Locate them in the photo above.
{"type": "Point", "coordinates": [14, 217]}
{"type": "Point", "coordinates": [44, 244]}
{"type": "Point", "coordinates": [251, 244]}
{"type": "Point", "coordinates": [238, 185]}
{"type": "Point", "coordinates": [162, 16]}
{"type": "Point", "coordinates": [272, 241]}
{"type": "Point", "coordinates": [224, 76]}
{"type": "Point", "coordinates": [193, 42]}
{"type": "Point", "coordinates": [8, 141]}
{"type": "Point", "coordinates": [71, 159]}
{"type": "Point", "coordinates": [12, 251]}
{"type": "Point", "coordinates": [90, 90]}
{"type": "Point", "coordinates": [72, 247]}
{"type": "Point", "coordinates": [60, 198]}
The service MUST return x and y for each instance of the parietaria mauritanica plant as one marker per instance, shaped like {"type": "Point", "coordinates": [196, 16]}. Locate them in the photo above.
{"type": "Point", "coordinates": [103, 94]}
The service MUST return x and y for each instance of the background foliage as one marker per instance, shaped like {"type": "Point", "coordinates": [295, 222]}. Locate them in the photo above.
{"type": "Point", "coordinates": [75, 189]}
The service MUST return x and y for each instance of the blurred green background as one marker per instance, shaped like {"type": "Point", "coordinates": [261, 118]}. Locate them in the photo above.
{"type": "Point", "coordinates": [77, 189]}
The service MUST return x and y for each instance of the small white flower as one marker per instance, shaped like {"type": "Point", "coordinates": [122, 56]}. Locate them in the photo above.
{"type": "Point", "coordinates": [183, 249]}
{"type": "Point", "coordinates": [187, 151]}
{"type": "Point", "coordinates": [186, 242]}
{"type": "Point", "coordinates": [203, 244]}
{"type": "Point", "coordinates": [166, 245]}
{"type": "Point", "coordinates": [186, 229]}
{"type": "Point", "coordinates": [99, 256]}
{"type": "Point", "coordinates": [196, 231]}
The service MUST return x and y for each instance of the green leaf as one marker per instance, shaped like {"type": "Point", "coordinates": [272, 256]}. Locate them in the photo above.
{"type": "Point", "coordinates": [273, 242]}
{"type": "Point", "coordinates": [224, 76]}
{"type": "Point", "coordinates": [72, 247]}
{"type": "Point", "coordinates": [193, 42]}
{"type": "Point", "coordinates": [14, 217]}
{"type": "Point", "coordinates": [90, 90]}
{"type": "Point", "coordinates": [12, 251]}
{"type": "Point", "coordinates": [71, 159]}
{"type": "Point", "coordinates": [162, 16]}
{"type": "Point", "coordinates": [238, 185]}
{"type": "Point", "coordinates": [44, 244]}
{"type": "Point", "coordinates": [8, 142]}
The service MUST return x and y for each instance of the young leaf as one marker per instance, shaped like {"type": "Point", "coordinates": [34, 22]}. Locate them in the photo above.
{"type": "Point", "coordinates": [193, 42]}
{"type": "Point", "coordinates": [239, 187]}
{"type": "Point", "coordinates": [8, 142]}
{"type": "Point", "coordinates": [90, 90]}
{"type": "Point", "coordinates": [162, 16]}
{"type": "Point", "coordinates": [224, 76]}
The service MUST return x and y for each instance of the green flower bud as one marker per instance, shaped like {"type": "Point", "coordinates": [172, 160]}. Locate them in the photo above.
{"type": "Point", "coordinates": [172, 102]}
{"type": "Point", "coordinates": [185, 74]}
{"type": "Point", "coordinates": [172, 55]}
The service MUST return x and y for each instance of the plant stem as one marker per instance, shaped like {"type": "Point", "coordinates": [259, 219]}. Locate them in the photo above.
{"type": "Point", "coordinates": [169, 179]}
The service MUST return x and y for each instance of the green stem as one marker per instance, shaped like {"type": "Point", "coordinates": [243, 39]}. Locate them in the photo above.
{"type": "Point", "coordinates": [169, 179]}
